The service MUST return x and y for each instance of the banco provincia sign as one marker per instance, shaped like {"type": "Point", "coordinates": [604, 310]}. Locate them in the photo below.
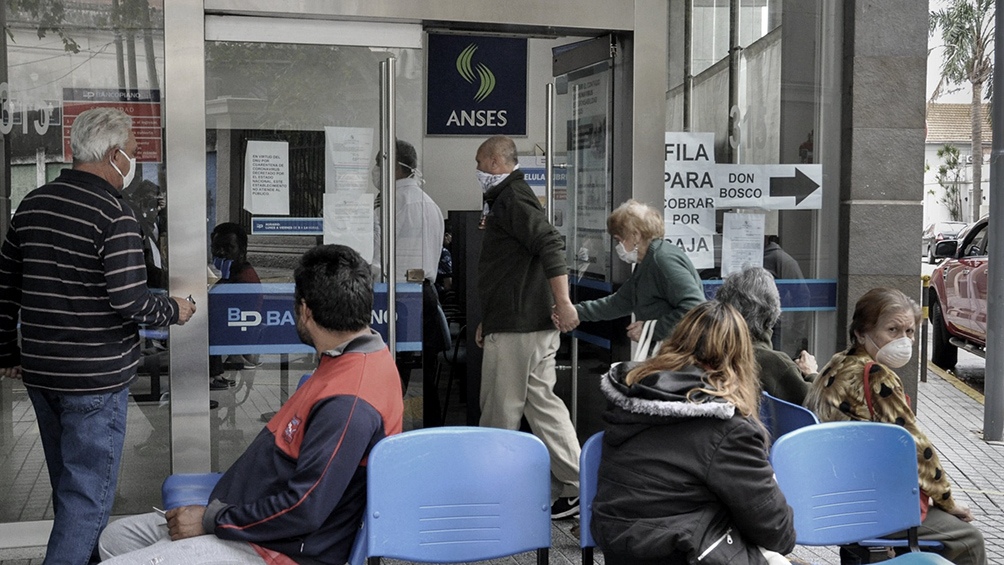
{"type": "Point", "coordinates": [259, 318]}
{"type": "Point", "coordinates": [476, 85]}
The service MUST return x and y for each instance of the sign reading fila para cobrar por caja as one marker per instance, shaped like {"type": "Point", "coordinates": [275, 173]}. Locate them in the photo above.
{"type": "Point", "coordinates": [476, 85]}
{"type": "Point", "coordinates": [696, 186]}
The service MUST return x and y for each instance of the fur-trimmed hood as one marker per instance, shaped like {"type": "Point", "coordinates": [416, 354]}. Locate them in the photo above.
{"type": "Point", "coordinates": [659, 398]}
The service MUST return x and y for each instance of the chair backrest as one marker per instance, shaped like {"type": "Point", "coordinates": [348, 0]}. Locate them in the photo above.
{"type": "Point", "coordinates": [444, 328]}
{"type": "Point", "coordinates": [457, 494]}
{"type": "Point", "coordinates": [589, 467]}
{"type": "Point", "coordinates": [848, 481]}
{"type": "Point", "coordinates": [783, 416]}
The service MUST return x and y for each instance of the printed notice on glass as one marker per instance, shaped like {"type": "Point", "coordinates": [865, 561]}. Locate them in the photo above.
{"type": "Point", "coordinates": [266, 178]}
{"type": "Point", "coordinates": [348, 158]}
{"type": "Point", "coordinates": [742, 242]}
{"type": "Point", "coordinates": [348, 220]}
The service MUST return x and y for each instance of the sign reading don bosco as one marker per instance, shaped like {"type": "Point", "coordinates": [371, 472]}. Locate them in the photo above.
{"type": "Point", "coordinates": [476, 85]}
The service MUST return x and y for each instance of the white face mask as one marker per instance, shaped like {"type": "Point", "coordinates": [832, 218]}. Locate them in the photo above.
{"type": "Point", "coordinates": [894, 354]}
{"type": "Point", "coordinates": [376, 178]}
{"type": "Point", "coordinates": [126, 178]}
{"type": "Point", "coordinates": [488, 180]}
{"type": "Point", "coordinates": [625, 255]}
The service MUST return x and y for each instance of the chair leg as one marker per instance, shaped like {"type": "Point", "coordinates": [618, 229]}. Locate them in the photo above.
{"type": "Point", "coordinates": [587, 556]}
{"type": "Point", "coordinates": [542, 556]}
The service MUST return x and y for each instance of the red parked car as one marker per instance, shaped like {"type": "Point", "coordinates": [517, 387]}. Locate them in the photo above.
{"type": "Point", "coordinates": [958, 295]}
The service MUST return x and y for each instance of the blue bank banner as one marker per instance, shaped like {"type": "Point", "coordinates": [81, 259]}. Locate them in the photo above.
{"type": "Point", "coordinates": [476, 85]}
{"type": "Point", "coordinates": [258, 318]}
{"type": "Point", "coordinates": [797, 295]}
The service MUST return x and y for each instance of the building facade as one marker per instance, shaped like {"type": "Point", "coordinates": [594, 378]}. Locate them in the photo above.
{"type": "Point", "coordinates": [248, 111]}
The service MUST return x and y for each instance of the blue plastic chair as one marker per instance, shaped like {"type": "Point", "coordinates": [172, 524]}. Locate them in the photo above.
{"type": "Point", "coordinates": [851, 481]}
{"type": "Point", "coordinates": [456, 494]}
{"type": "Point", "coordinates": [780, 416]}
{"type": "Point", "coordinates": [589, 467]}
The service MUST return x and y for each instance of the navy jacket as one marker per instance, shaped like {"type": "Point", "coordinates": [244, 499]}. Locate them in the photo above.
{"type": "Point", "coordinates": [300, 487]}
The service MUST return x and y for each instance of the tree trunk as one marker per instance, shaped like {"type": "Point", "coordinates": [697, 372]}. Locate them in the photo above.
{"type": "Point", "coordinates": [977, 150]}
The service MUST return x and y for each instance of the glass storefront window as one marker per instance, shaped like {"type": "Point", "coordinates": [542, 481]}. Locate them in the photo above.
{"type": "Point", "coordinates": [308, 118]}
{"type": "Point", "coordinates": [106, 54]}
{"type": "Point", "coordinates": [762, 106]}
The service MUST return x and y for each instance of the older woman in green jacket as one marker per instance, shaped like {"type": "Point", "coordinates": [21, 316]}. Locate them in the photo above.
{"type": "Point", "coordinates": [664, 286]}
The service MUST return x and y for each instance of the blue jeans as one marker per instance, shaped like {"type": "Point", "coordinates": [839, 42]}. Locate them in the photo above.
{"type": "Point", "coordinates": [82, 436]}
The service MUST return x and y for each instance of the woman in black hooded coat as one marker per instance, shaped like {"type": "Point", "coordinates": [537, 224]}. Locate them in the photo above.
{"type": "Point", "coordinates": [684, 476]}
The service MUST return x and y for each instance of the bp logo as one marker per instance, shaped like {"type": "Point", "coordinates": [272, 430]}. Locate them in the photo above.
{"type": "Point", "coordinates": [485, 76]}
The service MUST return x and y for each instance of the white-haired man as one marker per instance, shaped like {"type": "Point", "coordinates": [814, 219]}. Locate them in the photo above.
{"type": "Point", "coordinates": [72, 267]}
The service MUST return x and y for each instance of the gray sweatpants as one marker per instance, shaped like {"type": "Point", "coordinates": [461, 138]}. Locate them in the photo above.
{"type": "Point", "coordinates": [143, 539]}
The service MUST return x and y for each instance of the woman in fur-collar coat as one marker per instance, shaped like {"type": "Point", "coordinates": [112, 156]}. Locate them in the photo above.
{"type": "Point", "coordinates": [684, 475]}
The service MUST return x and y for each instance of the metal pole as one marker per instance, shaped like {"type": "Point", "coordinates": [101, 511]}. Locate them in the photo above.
{"type": "Point", "coordinates": [993, 410]}
{"type": "Point", "coordinates": [734, 51]}
{"type": "Point", "coordinates": [388, 149]}
{"type": "Point", "coordinates": [925, 289]}
{"type": "Point", "coordinates": [549, 152]}
{"type": "Point", "coordinates": [688, 69]}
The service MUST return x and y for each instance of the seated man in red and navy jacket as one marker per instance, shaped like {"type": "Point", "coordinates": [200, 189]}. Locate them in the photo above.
{"type": "Point", "coordinates": [298, 492]}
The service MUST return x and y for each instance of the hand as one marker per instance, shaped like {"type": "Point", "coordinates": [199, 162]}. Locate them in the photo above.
{"type": "Point", "coordinates": [806, 363]}
{"type": "Point", "coordinates": [11, 372]}
{"type": "Point", "coordinates": [565, 317]}
{"type": "Point", "coordinates": [962, 512]}
{"type": "Point", "coordinates": [478, 338]}
{"type": "Point", "coordinates": [185, 309]}
{"type": "Point", "coordinates": [185, 522]}
{"type": "Point", "coordinates": [634, 330]}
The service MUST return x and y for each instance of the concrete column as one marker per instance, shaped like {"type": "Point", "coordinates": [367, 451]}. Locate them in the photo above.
{"type": "Point", "coordinates": [882, 154]}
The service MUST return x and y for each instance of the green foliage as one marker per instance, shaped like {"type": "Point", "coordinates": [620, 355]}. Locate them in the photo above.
{"type": "Point", "coordinates": [967, 31]}
{"type": "Point", "coordinates": [950, 178]}
{"type": "Point", "coordinates": [49, 14]}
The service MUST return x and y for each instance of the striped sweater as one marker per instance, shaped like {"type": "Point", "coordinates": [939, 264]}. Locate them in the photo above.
{"type": "Point", "coordinates": [72, 265]}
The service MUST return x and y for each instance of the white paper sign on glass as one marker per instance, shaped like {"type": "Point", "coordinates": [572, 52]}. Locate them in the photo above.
{"type": "Point", "coordinates": [348, 220]}
{"type": "Point", "coordinates": [742, 241]}
{"type": "Point", "coordinates": [266, 177]}
{"type": "Point", "coordinates": [348, 158]}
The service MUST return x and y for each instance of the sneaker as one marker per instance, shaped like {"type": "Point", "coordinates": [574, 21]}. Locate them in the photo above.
{"type": "Point", "coordinates": [565, 507]}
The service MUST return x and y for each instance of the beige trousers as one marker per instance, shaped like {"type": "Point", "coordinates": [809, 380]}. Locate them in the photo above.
{"type": "Point", "coordinates": [517, 379]}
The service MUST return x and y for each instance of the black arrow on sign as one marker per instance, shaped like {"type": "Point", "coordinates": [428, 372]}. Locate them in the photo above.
{"type": "Point", "coordinates": [800, 186]}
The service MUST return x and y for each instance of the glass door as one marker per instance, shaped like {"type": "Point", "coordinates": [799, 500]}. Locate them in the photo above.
{"type": "Point", "coordinates": [582, 169]}
{"type": "Point", "coordinates": [294, 130]}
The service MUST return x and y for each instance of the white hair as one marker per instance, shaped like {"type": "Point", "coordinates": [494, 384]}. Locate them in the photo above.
{"type": "Point", "coordinates": [96, 131]}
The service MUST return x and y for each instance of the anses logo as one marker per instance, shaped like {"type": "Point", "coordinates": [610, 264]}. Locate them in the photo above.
{"type": "Point", "coordinates": [484, 74]}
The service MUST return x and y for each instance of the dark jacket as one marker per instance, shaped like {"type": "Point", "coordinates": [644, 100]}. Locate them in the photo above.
{"type": "Point", "coordinates": [73, 266]}
{"type": "Point", "coordinates": [300, 487]}
{"type": "Point", "coordinates": [664, 287]}
{"type": "Point", "coordinates": [779, 375]}
{"type": "Point", "coordinates": [685, 480]}
{"type": "Point", "coordinates": [519, 253]}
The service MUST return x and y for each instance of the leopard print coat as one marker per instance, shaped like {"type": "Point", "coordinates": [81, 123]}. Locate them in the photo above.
{"type": "Point", "coordinates": [838, 395]}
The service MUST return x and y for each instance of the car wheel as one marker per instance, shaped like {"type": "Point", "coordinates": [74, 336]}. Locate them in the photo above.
{"type": "Point", "coordinates": [943, 353]}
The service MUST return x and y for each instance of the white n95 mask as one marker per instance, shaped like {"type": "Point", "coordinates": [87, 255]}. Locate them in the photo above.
{"type": "Point", "coordinates": [896, 353]}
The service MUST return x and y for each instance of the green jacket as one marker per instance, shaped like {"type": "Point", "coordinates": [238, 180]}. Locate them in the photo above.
{"type": "Point", "coordinates": [664, 287]}
{"type": "Point", "coordinates": [779, 375]}
{"type": "Point", "coordinates": [521, 250]}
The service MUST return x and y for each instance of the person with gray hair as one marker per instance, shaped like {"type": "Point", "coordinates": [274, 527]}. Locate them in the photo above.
{"type": "Point", "coordinates": [72, 271]}
{"type": "Point", "coordinates": [753, 293]}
